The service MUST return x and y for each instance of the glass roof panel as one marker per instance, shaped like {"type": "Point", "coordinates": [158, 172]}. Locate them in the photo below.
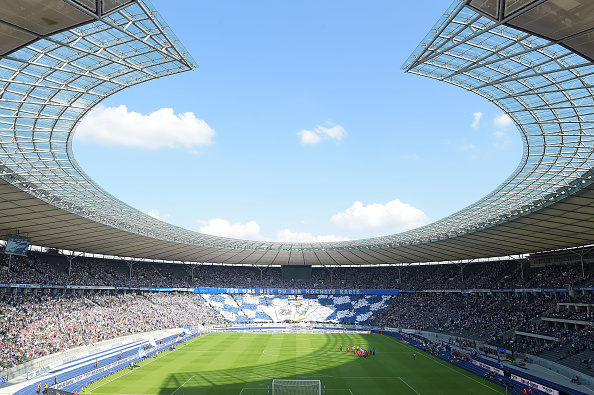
{"type": "Point", "coordinates": [538, 83]}
{"type": "Point", "coordinates": [110, 5]}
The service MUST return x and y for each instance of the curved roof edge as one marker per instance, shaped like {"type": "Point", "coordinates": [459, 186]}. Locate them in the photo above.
{"type": "Point", "coordinates": [544, 86]}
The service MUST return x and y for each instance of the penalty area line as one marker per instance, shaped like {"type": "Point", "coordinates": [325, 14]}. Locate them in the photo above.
{"type": "Point", "coordinates": [189, 380]}
{"type": "Point", "coordinates": [249, 388]}
{"type": "Point", "coordinates": [409, 385]}
{"type": "Point", "coordinates": [438, 361]}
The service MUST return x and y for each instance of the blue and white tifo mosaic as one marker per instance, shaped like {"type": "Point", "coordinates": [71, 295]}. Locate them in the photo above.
{"type": "Point", "coordinates": [247, 308]}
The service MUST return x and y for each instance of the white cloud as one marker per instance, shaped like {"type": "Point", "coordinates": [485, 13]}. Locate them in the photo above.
{"type": "Point", "coordinates": [309, 137]}
{"type": "Point", "coordinates": [502, 120]}
{"type": "Point", "coordinates": [467, 147]}
{"type": "Point", "coordinates": [303, 237]}
{"type": "Point", "coordinates": [116, 126]}
{"type": "Point", "coordinates": [332, 132]}
{"type": "Point", "coordinates": [251, 230]}
{"type": "Point", "coordinates": [336, 132]}
{"type": "Point", "coordinates": [396, 215]}
{"type": "Point", "coordinates": [222, 227]}
{"type": "Point", "coordinates": [156, 214]}
{"type": "Point", "coordinates": [502, 138]}
{"type": "Point", "coordinates": [477, 116]}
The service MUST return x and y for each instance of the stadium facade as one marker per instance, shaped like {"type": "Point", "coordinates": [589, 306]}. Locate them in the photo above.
{"type": "Point", "coordinates": [531, 58]}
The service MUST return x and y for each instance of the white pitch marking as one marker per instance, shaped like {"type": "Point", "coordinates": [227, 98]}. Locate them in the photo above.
{"type": "Point", "coordinates": [438, 361]}
{"type": "Point", "coordinates": [185, 384]}
{"type": "Point", "coordinates": [409, 385]}
{"type": "Point", "coordinates": [151, 361]}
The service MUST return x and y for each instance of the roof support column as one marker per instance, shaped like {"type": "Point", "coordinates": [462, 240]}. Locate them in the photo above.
{"type": "Point", "coordinates": [192, 270]}
{"type": "Point", "coordinates": [331, 270]}
{"type": "Point", "coordinates": [461, 265]}
{"type": "Point", "coordinates": [70, 257]}
{"type": "Point", "coordinates": [581, 254]}
{"type": "Point", "coordinates": [262, 273]}
{"type": "Point", "coordinates": [130, 264]}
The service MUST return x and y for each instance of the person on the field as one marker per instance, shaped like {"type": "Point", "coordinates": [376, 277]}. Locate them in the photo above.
{"type": "Point", "coordinates": [341, 347]}
{"type": "Point", "coordinates": [414, 356]}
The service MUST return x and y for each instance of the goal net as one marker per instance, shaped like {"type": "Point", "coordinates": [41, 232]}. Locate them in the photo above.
{"type": "Point", "coordinates": [296, 387]}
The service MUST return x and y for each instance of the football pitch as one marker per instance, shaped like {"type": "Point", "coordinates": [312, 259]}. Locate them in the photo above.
{"type": "Point", "coordinates": [246, 363]}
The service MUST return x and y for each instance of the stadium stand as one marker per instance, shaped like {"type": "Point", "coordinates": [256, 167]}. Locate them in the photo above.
{"type": "Point", "coordinates": [541, 308]}
{"type": "Point", "coordinates": [41, 321]}
{"type": "Point", "coordinates": [35, 326]}
{"type": "Point", "coordinates": [51, 303]}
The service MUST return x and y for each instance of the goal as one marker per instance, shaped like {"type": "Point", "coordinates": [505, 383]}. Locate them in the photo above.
{"type": "Point", "coordinates": [296, 387]}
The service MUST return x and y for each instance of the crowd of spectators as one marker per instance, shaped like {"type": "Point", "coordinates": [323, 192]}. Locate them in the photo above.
{"type": "Point", "coordinates": [58, 270]}
{"type": "Point", "coordinates": [570, 342]}
{"type": "Point", "coordinates": [34, 326]}
{"type": "Point", "coordinates": [567, 330]}
{"type": "Point", "coordinates": [554, 327]}
{"type": "Point", "coordinates": [28, 270]}
{"type": "Point", "coordinates": [556, 276]}
{"type": "Point", "coordinates": [485, 317]}
{"type": "Point", "coordinates": [491, 318]}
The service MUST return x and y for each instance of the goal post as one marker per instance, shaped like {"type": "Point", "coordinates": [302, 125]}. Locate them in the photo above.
{"type": "Point", "coordinates": [296, 387]}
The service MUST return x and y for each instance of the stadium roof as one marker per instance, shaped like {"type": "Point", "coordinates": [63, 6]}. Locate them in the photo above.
{"type": "Point", "coordinates": [530, 58]}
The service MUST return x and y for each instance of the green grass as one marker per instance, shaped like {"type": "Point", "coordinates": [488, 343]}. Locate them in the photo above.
{"type": "Point", "coordinates": [246, 363]}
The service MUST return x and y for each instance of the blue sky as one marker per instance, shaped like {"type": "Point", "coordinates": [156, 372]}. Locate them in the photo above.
{"type": "Point", "coordinates": [298, 125]}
